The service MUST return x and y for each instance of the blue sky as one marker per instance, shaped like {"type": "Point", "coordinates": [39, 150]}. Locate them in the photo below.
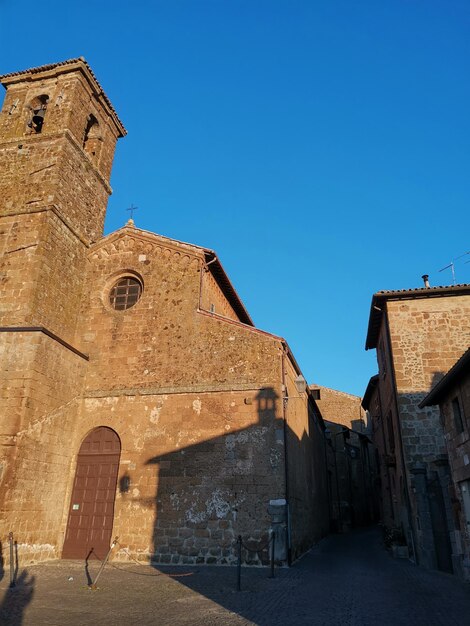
{"type": "Point", "coordinates": [321, 148]}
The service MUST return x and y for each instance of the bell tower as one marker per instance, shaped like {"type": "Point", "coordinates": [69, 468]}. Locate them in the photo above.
{"type": "Point", "coordinates": [58, 133]}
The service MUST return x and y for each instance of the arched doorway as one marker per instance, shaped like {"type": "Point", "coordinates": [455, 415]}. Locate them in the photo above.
{"type": "Point", "coordinates": [91, 513]}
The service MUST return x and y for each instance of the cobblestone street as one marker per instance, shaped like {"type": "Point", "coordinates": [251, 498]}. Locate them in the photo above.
{"type": "Point", "coordinates": [348, 580]}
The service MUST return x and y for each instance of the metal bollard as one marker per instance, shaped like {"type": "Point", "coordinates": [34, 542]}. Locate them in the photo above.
{"type": "Point", "coordinates": [103, 564]}
{"type": "Point", "coordinates": [239, 565]}
{"type": "Point", "coordinates": [272, 554]}
{"type": "Point", "coordinates": [12, 563]}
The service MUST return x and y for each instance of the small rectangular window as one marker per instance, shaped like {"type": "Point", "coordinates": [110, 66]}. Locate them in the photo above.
{"type": "Point", "coordinates": [457, 415]}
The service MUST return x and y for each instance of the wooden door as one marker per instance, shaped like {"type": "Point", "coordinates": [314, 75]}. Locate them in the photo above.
{"type": "Point", "coordinates": [440, 530]}
{"type": "Point", "coordinates": [91, 513]}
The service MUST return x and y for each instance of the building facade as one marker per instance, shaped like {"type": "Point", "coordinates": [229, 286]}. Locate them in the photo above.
{"type": "Point", "coordinates": [138, 398]}
{"type": "Point", "coordinates": [352, 475]}
{"type": "Point", "coordinates": [342, 408]}
{"type": "Point", "coordinates": [418, 334]}
{"type": "Point", "coordinates": [452, 395]}
{"type": "Point", "coordinates": [351, 460]}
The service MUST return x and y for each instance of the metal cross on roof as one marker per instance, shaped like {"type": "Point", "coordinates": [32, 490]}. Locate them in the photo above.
{"type": "Point", "coordinates": [132, 208]}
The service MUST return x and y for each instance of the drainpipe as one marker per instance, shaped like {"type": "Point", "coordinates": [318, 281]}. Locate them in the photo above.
{"type": "Point", "coordinates": [286, 471]}
{"type": "Point", "coordinates": [400, 437]}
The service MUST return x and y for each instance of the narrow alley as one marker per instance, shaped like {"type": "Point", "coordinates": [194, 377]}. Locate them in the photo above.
{"type": "Point", "coordinates": [346, 580]}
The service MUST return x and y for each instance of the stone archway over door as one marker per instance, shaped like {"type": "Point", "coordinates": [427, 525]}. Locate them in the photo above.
{"type": "Point", "coordinates": [91, 512]}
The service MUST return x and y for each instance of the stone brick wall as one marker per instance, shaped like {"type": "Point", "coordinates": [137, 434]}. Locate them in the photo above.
{"type": "Point", "coordinates": [71, 100]}
{"type": "Point", "coordinates": [195, 397]}
{"type": "Point", "coordinates": [306, 466]}
{"type": "Point", "coordinates": [458, 442]}
{"type": "Point", "coordinates": [42, 269]}
{"type": "Point", "coordinates": [342, 408]}
{"type": "Point", "coordinates": [197, 403]}
{"type": "Point", "coordinates": [52, 171]}
{"type": "Point", "coordinates": [213, 299]}
{"type": "Point", "coordinates": [39, 417]}
{"type": "Point", "coordinates": [428, 336]}
{"type": "Point", "coordinates": [389, 471]}
{"type": "Point", "coordinates": [164, 341]}
{"type": "Point", "coordinates": [52, 201]}
{"type": "Point", "coordinates": [51, 168]}
{"type": "Point", "coordinates": [388, 438]}
{"type": "Point", "coordinates": [194, 469]}
{"type": "Point", "coordinates": [203, 444]}
{"type": "Point", "coordinates": [458, 447]}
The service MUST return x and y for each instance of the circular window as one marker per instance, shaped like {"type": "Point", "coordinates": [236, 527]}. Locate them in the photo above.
{"type": "Point", "coordinates": [125, 293]}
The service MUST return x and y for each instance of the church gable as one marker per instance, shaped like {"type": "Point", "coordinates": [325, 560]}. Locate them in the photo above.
{"type": "Point", "coordinates": [131, 239]}
{"type": "Point", "coordinates": [217, 294]}
{"type": "Point", "coordinates": [163, 287]}
{"type": "Point", "coordinates": [142, 318]}
{"type": "Point", "coordinates": [162, 273]}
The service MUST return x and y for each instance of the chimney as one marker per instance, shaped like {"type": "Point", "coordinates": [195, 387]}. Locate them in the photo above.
{"type": "Point", "coordinates": [425, 278]}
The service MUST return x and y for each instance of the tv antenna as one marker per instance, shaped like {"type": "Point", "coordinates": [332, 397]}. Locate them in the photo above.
{"type": "Point", "coordinates": [452, 269]}
{"type": "Point", "coordinates": [452, 265]}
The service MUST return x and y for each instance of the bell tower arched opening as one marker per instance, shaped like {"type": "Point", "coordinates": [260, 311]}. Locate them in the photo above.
{"type": "Point", "coordinates": [38, 109]}
{"type": "Point", "coordinates": [92, 138]}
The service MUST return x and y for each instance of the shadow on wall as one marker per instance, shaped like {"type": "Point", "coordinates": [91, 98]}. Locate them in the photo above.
{"type": "Point", "coordinates": [432, 491]}
{"type": "Point", "coordinates": [17, 596]}
{"type": "Point", "coordinates": [359, 426]}
{"type": "Point", "coordinates": [213, 491]}
{"type": "Point", "coordinates": [353, 478]}
{"type": "Point", "coordinates": [422, 506]}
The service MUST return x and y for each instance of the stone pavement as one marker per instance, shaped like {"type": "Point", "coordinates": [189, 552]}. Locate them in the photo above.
{"type": "Point", "coordinates": [346, 580]}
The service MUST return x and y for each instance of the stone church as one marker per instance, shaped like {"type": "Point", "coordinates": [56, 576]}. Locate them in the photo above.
{"type": "Point", "coordinates": [138, 398]}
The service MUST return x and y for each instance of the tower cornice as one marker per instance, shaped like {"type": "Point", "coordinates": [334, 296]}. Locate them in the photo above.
{"type": "Point", "coordinates": [71, 65]}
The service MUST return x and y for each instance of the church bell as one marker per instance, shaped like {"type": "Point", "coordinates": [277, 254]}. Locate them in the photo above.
{"type": "Point", "coordinates": [38, 119]}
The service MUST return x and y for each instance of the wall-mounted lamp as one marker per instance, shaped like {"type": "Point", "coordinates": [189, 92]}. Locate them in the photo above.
{"type": "Point", "coordinates": [300, 385]}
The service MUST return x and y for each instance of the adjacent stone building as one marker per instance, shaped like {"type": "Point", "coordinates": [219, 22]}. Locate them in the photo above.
{"type": "Point", "coordinates": [351, 460]}
{"type": "Point", "coordinates": [418, 335]}
{"type": "Point", "coordinates": [138, 398]}
{"type": "Point", "coordinates": [342, 408]}
{"type": "Point", "coordinates": [452, 394]}
{"type": "Point", "coordinates": [352, 475]}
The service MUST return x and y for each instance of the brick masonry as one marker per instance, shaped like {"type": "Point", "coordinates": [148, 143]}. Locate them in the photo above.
{"type": "Point", "coordinates": [454, 405]}
{"type": "Point", "coordinates": [196, 394]}
{"type": "Point", "coordinates": [342, 408]}
{"type": "Point", "coordinates": [421, 334]}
